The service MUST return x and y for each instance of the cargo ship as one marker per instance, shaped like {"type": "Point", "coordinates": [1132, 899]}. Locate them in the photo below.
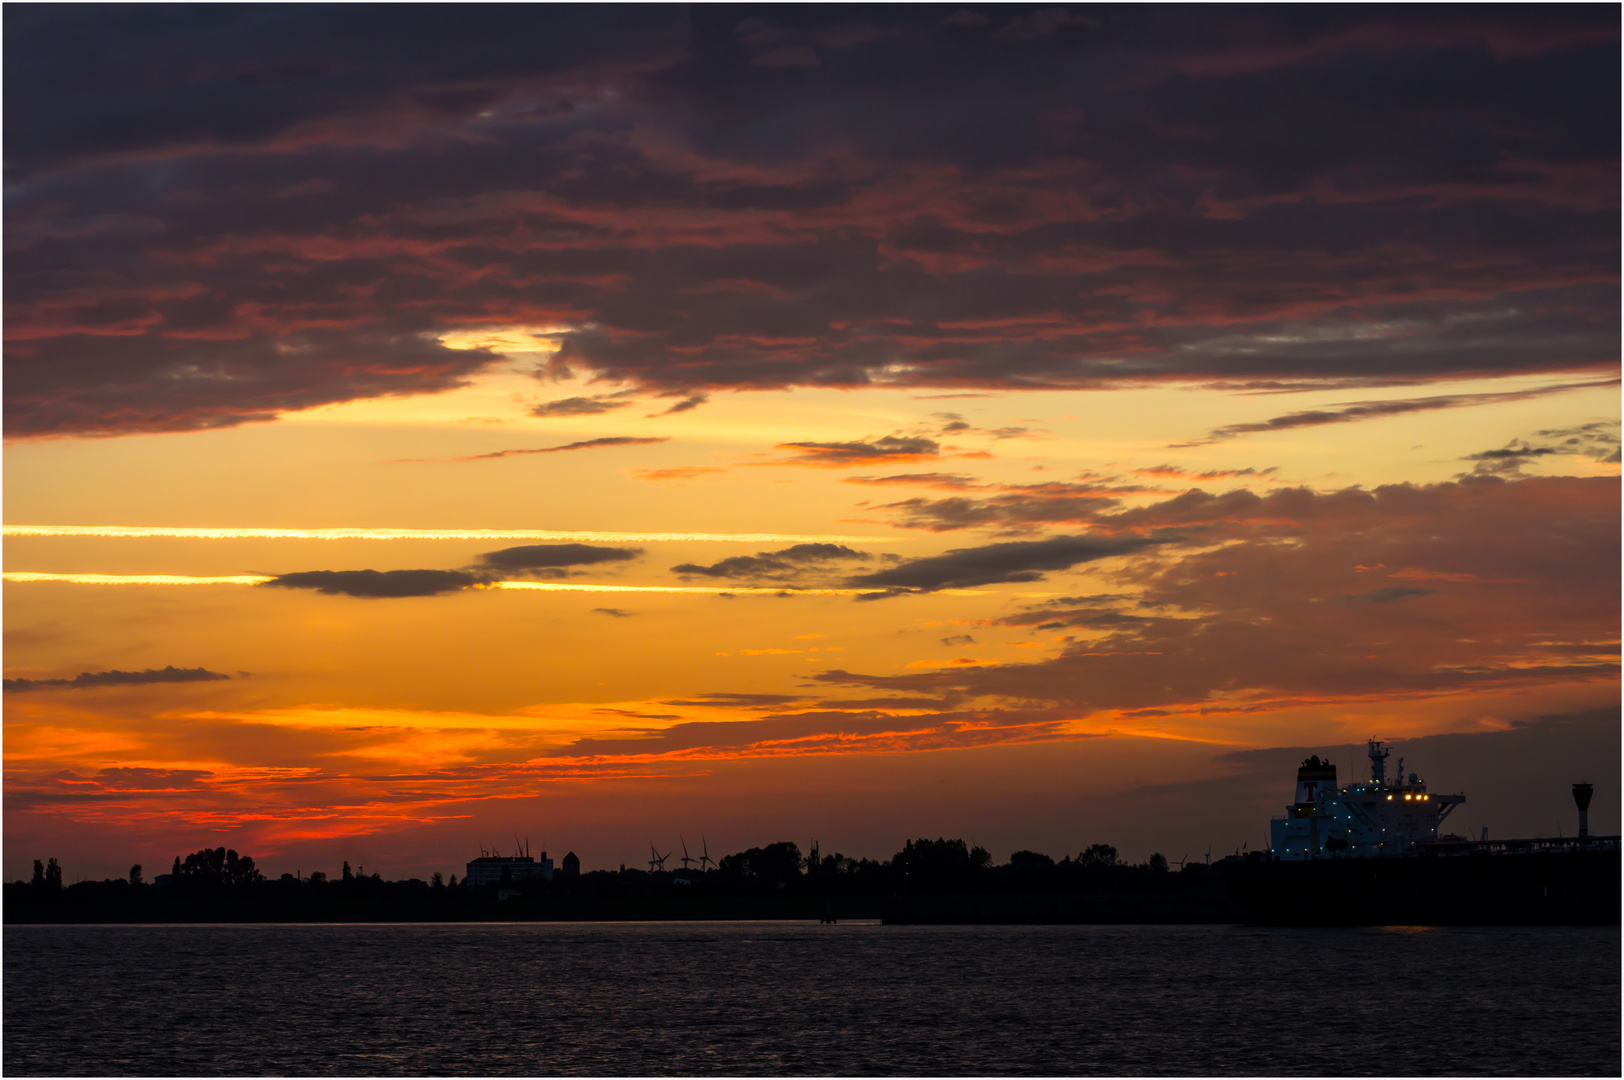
{"type": "Point", "coordinates": [1371, 853]}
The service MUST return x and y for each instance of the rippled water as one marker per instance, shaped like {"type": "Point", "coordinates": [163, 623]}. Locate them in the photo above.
{"type": "Point", "coordinates": [801, 998]}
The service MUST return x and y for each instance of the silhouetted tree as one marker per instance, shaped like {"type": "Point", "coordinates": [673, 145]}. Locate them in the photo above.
{"type": "Point", "coordinates": [1030, 863]}
{"type": "Point", "coordinates": [938, 863]}
{"type": "Point", "coordinates": [217, 866]}
{"type": "Point", "coordinates": [317, 877]}
{"type": "Point", "coordinates": [38, 881]}
{"type": "Point", "coordinates": [778, 863]}
{"type": "Point", "coordinates": [349, 875]}
{"type": "Point", "coordinates": [436, 881]}
{"type": "Point", "coordinates": [453, 882]}
{"type": "Point", "coordinates": [1158, 862]}
{"type": "Point", "coordinates": [53, 876]}
{"type": "Point", "coordinates": [175, 870]}
{"type": "Point", "coordinates": [1098, 855]}
{"type": "Point", "coordinates": [135, 874]}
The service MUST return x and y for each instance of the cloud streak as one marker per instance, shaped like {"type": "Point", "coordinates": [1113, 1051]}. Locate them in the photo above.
{"type": "Point", "coordinates": [585, 444]}
{"type": "Point", "coordinates": [786, 565]}
{"type": "Point", "coordinates": [1375, 410]}
{"type": "Point", "coordinates": [90, 679]}
{"type": "Point", "coordinates": [580, 406]}
{"type": "Point", "coordinates": [840, 455]}
{"type": "Point", "coordinates": [1013, 562]}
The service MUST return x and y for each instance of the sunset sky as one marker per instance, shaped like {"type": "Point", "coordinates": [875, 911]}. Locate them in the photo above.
{"type": "Point", "coordinates": [432, 426]}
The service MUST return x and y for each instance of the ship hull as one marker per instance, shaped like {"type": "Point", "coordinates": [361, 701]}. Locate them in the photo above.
{"type": "Point", "coordinates": [1569, 887]}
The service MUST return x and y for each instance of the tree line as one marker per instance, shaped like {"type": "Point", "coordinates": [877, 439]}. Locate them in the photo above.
{"type": "Point", "coordinates": [921, 864]}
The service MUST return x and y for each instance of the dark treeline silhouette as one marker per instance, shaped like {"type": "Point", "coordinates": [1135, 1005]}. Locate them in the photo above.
{"type": "Point", "coordinates": [928, 880]}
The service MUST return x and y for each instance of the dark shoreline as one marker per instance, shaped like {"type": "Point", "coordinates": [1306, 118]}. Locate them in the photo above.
{"type": "Point", "coordinates": [1573, 888]}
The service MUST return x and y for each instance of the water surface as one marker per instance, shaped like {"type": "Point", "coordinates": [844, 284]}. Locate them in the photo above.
{"type": "Point", "coordinates": [657, 998]}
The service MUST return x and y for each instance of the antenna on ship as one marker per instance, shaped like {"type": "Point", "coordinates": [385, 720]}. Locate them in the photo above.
{"type": "Point", "coordinates": [1378, 763]}
{"type": "Point", "coordinates": [685, 859]}
{"type": "Point", "coordinates": [704, 854]}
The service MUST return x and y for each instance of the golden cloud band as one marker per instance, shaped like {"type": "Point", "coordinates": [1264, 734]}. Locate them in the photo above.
{"type": "Point", "coordinates": [226, 533]}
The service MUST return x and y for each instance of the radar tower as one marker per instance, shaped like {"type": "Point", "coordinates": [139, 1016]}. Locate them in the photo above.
{"type": "Point", "coordinates": [1378, 763]}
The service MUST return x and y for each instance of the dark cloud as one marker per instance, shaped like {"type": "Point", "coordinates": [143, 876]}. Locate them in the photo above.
{"type": "Point", "coordinates": [1389, 593]}
{"type": "Point", "coordinates": [585, 444]}
{"type": "Point", "coordinates": [992, 564]}
{"type": "Point", "coordinates": [787, 564]}
{"type": "Point", "coordinates": [89, 679]}
{"type": "Point", "coordinates": [1103, 611]}
{"type": "Point", "coordinates": [843, 454]}
{"type": "Point", "coordinates": [114, 383]}
{"type": "Point", "coordinates": [1303, 598]}
{"type": "Point", "coordinates": [555, 559]}
{"type": "Point", "coordinates": [954, 424]}
{"type": "Point", "coordinates": [687, 403]}
{"type": "Point", "coordinates": [957, 640]}
{"type": "Point", "coordinates": [1509, 460]}
{"type": "Point", "coordinates": [378, 584]}
{"type": "Point", "coordinates": [1598, 440]}
{"type": "Point", "coordinates": [215, 217]}
{"type": "Point", "coordinates": [1015, 507]}
{"type": "Point", "coordinates": [581, 406]}
{"type": "Point", "coordinates": [612, 612]}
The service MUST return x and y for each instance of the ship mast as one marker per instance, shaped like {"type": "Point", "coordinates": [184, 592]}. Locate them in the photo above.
{"type": "Point", "coordinates": [1378, 763]}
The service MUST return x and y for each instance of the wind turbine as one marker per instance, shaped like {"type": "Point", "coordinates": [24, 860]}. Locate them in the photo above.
{"type": "Point", "coordinates": [685, 859]}
{"type": "Point", "coordinates": [656, 860]}
{"type": "Point", "coordinates": [1184, 860]}
{"type": "Point", "coordinates": [704, 854]}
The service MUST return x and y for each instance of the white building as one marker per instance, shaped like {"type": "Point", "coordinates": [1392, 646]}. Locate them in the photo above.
{"type": "Point", "coordinates": [487, 869]}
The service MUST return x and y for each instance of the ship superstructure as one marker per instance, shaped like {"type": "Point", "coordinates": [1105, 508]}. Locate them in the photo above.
{"type": "Point", "coordinates": [1370, 819]}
